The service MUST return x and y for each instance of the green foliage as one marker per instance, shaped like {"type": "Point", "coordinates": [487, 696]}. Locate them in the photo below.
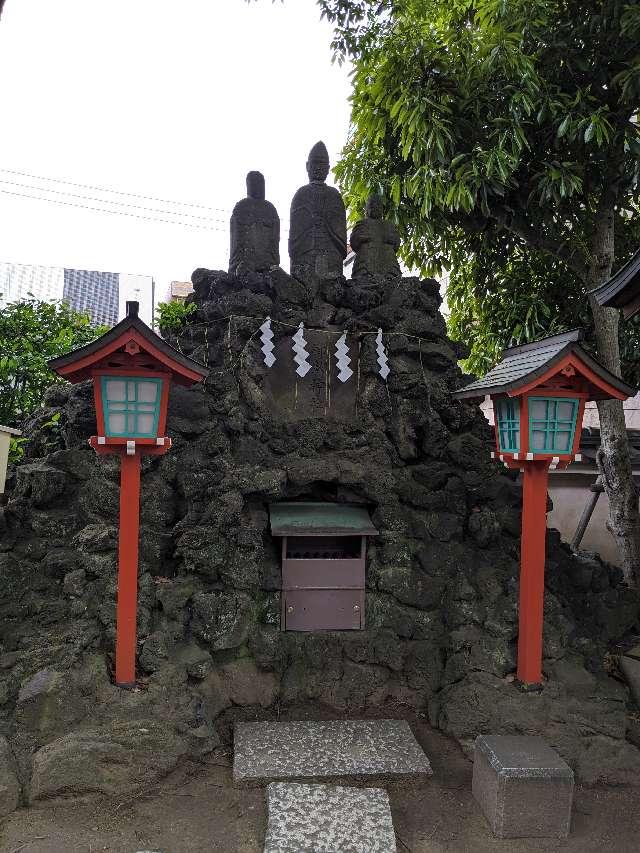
{"type": "Point", "coordinates": [171, 316]}
{"type": "Point", "coordinates": [16, 449]}
{"type": "Point", "coordinates": [498, 301]}
{"type": "Point", "coordinates": [500, 298]}
{"type": "Point", "coordinates": [497, 130]}
{"type": "Point", "coordinates": [31, 333]}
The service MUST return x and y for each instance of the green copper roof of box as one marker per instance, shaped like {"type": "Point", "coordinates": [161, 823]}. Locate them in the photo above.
{"type": "Point", "coordinates": [320, 519]}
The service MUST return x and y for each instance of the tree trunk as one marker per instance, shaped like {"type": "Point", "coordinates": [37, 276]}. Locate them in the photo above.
{"type": "Point", "coordinates": [614, 458]}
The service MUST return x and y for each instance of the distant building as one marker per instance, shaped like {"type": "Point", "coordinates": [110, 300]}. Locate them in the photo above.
{"type": "Point", "coordinates": [179, 290]}
{"type": "Point", "coordinates": [102, 295]}
{"type": "Point", "coordinates": [93, 293]}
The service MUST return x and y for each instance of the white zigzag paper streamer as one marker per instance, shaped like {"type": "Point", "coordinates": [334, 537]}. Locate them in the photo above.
{"type": "Point", "coordinates": [383, 361]}
{"type": "Point", "coordinates": [342, 358]}
{"type": "Point", "coordinates": [267, 342]}
{"type": "Point", "coordinates": [301, 354]}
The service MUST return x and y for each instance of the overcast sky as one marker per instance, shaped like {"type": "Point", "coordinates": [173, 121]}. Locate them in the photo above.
{"type": "Point", "coordinates": [173, 100]}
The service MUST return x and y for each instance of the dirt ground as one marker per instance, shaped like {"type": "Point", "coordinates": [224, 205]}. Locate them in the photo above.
{"type": "Point", "coordinates": [198, 810]}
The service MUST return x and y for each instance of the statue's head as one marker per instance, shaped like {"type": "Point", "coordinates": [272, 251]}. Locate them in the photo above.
{"type": "Point", "coordinates": [375, 206]}
{"type": "Point", "coordinates": [255, 185]}
{"type": "Point", "coordinates": [318, 163]}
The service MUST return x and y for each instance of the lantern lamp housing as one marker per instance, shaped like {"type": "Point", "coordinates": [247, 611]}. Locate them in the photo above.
{"type": "Point", "coordinates": [131, 368]}
{"type": "Point", "coordinates": [131, 405]}
{"type": "Point", "coordinates": [539, 391]}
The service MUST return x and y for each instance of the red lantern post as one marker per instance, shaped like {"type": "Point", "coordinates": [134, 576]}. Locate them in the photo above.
{"type": "Point", "coordinates": [539, 391]}
{"type": "Point", "coordinates": [131, 369]}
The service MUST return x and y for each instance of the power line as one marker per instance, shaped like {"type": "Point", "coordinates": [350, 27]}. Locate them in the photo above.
{"type": "Point", "coordinates": [114, 212]}
{"type": "Point", "coordinates": [119, 192]}
{"type": "Point", "coordinates": [115, 192]}
{"type": "Point", "coordinates": [109, 201]}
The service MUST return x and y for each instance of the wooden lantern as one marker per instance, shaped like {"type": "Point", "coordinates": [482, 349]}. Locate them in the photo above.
{"type": "Point", "coordinates": [539, 391]}
{"type": "Point", "coordinates": [131, 369]}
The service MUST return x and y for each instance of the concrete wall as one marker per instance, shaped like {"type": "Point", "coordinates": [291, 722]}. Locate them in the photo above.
{"type": "Point", "coordinates": [570, 493]}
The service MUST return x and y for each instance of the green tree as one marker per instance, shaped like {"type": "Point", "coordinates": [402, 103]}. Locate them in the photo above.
{"type": "Point", "coordinates": [31, 333]}
{"type": "Point", "coordinates": [499, 299]}
{"type": "Point", "coordinates": [499, 126]}
{"type": "Point", "coordinates": [171, 316]}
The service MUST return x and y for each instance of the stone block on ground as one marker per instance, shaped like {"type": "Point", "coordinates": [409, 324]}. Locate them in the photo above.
{"type": "Point", "coordinates": [630, 666]}
{"type": "Point", "coordinates": [327, 819]}
{"type": "Point", "coordinates": [524, 788]}
{"type": "Point", "coordinates": [334, 749]}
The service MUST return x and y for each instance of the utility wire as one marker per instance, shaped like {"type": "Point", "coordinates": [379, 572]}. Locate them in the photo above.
{"type": "Point", "coordinates": [109, 201]}
{"type": "Point", "coordinates": [177, 221]}
{"type": "Point", "coordinates": [115, 192]}
{"type": "Point", "coordinates": [118, 192]}
{"type": "Point", "coordinates": [114, 212]}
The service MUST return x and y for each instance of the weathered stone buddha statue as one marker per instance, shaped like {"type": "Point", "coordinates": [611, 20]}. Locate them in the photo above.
{"type": "Point", "coordinates": [375, 242]}
{"type": "Point", "coordinates": [318, 235]}
{"type": "Point", "coordinates": [255, 231]}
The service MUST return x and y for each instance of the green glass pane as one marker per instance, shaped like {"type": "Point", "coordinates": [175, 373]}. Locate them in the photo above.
{"type": "Point", "coordinates": [565, 410]}
{"type": "Point", "coordinates": [116, 424]}
{"type": "Point", "coordinates": [562, 442]}
{"type": "Point", "coordinates": [145, 424]}
{"type": "Point", "coordinates": [115, 389]}
{"type": "Point", "coordinates": [538, 439]}
{"type": "Point", "coordinates": [147, 392]}
{"type": "Point", "coordinates": [538, 409]}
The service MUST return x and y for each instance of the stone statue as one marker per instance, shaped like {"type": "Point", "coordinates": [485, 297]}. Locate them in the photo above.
{"type": "Point", "coordinates": [255, 231]}
{"type": "Point", "coordinates": [318, 235]}
{"type": "Point", "coordinates": [375, 242]}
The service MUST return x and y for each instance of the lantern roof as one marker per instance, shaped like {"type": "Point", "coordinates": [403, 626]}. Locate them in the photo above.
{"type": "Point", "coordinates": [622, 290]}
{"type": "Point", "coordinates": [528, 366]}
{"type": "Point", "coordinates": [129, 335]}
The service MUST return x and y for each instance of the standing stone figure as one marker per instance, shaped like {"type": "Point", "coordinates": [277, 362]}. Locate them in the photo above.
{"type": "Point", "coordinates": [375, 242]}
{"type": "Point", "coordinates": [255, 231]}
{"type": "Point", "coordinates": [318, 235]}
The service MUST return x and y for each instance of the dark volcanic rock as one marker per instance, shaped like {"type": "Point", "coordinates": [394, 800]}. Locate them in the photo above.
{"type": "Point", "coordinates": [442, 576]}
{"type": "Point", "coordinates": [10, 790]}
{"type": "Point", "coordinates": [118, 759]}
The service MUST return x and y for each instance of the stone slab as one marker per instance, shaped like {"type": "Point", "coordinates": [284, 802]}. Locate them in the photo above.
{"type": "Point", "coordinates": [361, 750]}
{"type": "Point", "coordinates": [630, 666]}
{"type": "Point", "coordinates": [328, 819]}
{"type": "Point", "coordinates": [524, 788]}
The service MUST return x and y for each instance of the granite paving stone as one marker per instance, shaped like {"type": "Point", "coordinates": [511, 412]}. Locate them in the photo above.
{"type": "Point", "coordinates": [335, 749]}
{"type": "Point", "coordinates": [522, 785]}
{"type": "Point", "coordinates": [328, 819]}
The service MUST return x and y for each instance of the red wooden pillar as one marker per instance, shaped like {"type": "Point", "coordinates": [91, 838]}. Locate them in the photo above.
{"type": "Point", "coordinates": [532, 560]}
{"type": "Point", "coordinates": [128, 570]}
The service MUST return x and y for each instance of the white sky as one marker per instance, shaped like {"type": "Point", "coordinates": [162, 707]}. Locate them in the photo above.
{"type": "Point", "coordinates": [175, 99]}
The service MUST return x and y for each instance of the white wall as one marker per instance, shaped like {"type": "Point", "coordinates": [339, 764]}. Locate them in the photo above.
{"type": "Point", "coordinates": [569, 494]}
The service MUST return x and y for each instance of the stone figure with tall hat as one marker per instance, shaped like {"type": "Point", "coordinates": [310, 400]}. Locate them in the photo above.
{"type": "Point", "coordinates": [255, 231]}
{"type": "Point", "coordinates": [375, 241]}
{"type": "Point", "coordinates": [318, 230]}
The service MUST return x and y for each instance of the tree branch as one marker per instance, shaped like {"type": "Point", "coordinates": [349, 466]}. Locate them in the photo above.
{"type": "Point", "coordinates": [573, 258]}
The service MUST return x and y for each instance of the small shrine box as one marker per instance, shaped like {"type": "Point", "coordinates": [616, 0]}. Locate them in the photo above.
{"type": "Point", "coordinates": [324, 548]}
